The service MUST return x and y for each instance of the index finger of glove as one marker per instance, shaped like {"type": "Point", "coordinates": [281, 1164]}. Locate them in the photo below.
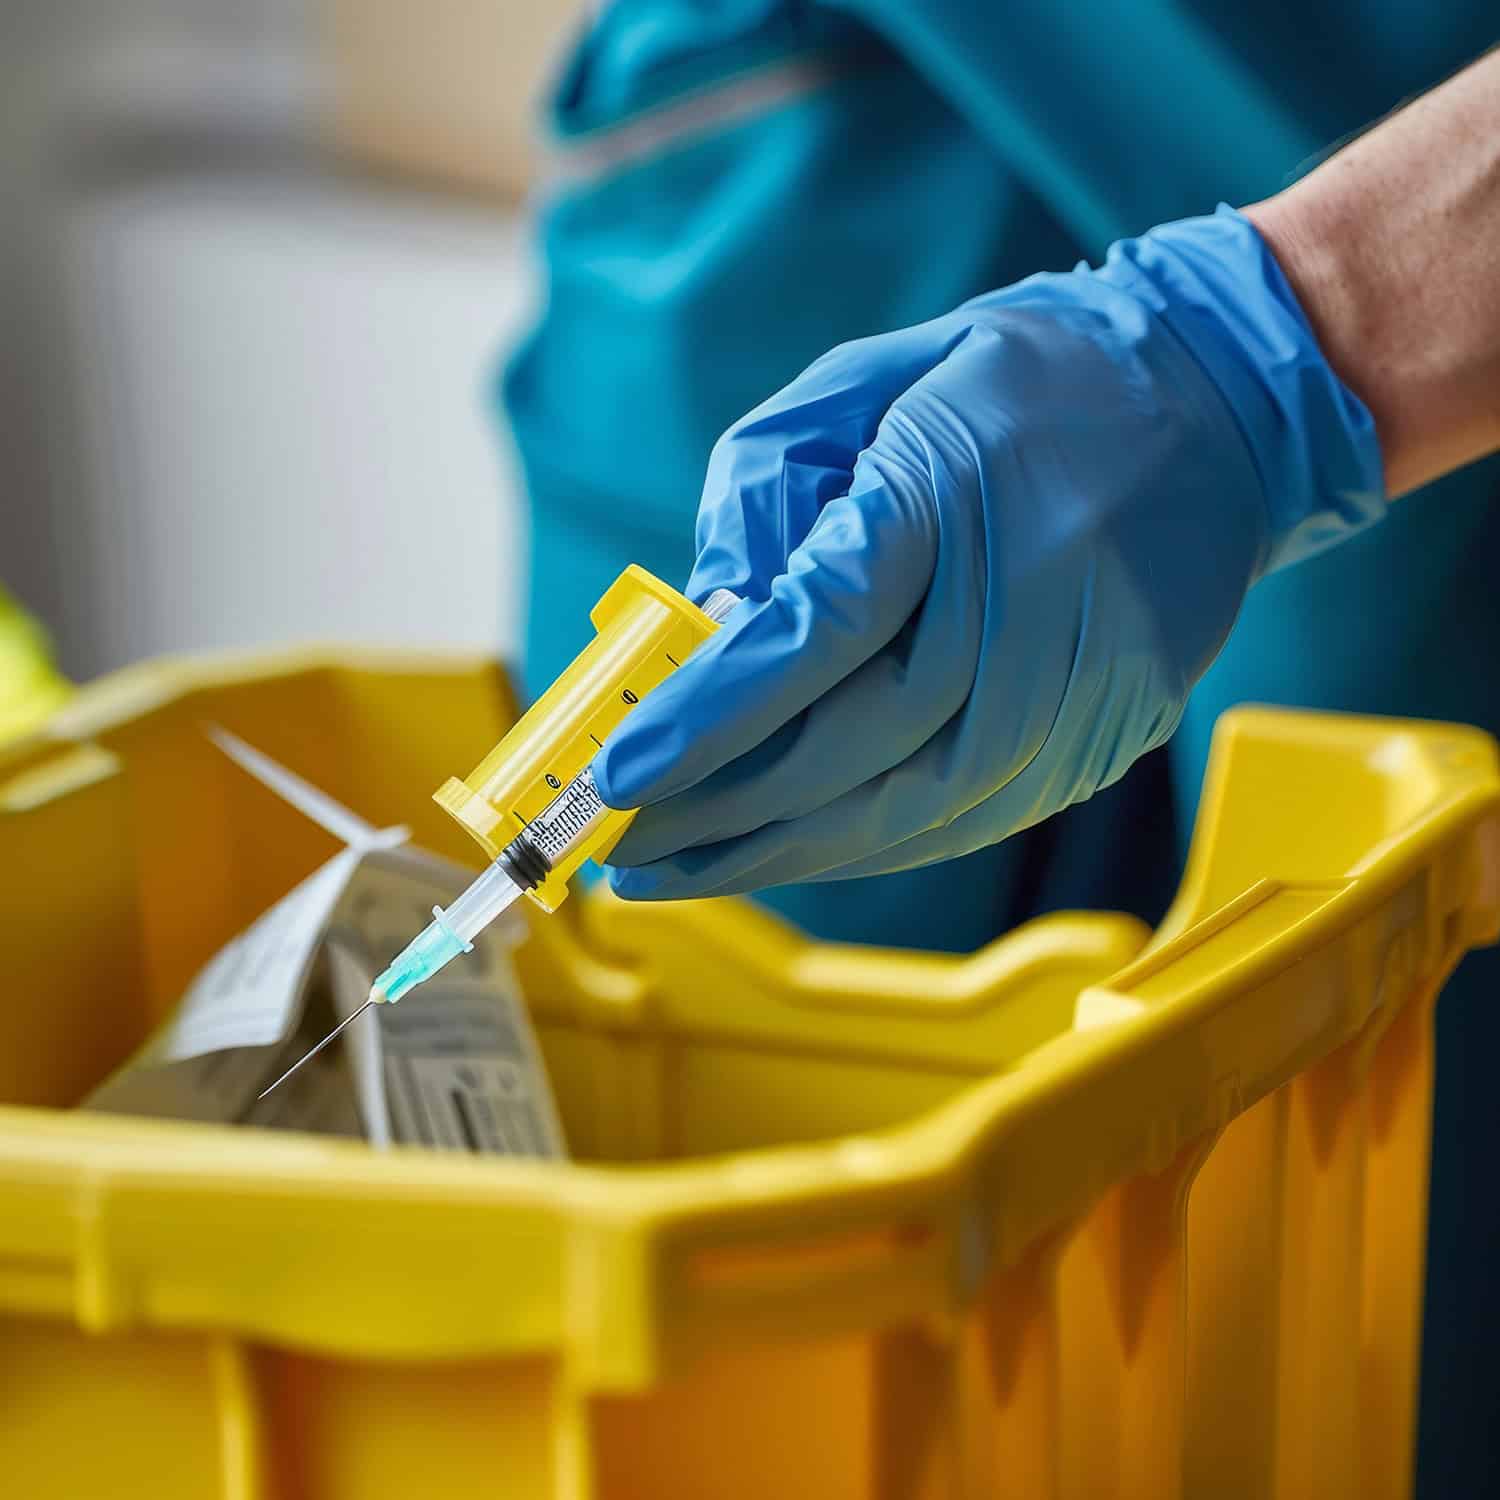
{"type": "Point", "coordinates": [847, 590]}
{"type": "Point", "coordinates": [771, 474]}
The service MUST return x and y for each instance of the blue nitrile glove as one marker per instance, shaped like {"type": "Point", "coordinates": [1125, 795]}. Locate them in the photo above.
{"type": "Point", "coordinates": [984, 561]}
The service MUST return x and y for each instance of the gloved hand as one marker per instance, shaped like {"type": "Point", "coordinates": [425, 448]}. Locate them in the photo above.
{"type": "Point", "coordinates": [984, 561]}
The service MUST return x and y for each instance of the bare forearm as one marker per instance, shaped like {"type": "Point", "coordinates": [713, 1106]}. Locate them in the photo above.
{"type": "Point", "coordinates": [1393, 248]}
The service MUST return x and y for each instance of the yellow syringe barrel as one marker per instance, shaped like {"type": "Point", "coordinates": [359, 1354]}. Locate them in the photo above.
{"type": "Point", "coordinates": [645, 631]}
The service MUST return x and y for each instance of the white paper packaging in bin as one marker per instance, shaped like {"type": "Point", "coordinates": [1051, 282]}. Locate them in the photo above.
{"type": "Point", "coordinates": [454, 1067]}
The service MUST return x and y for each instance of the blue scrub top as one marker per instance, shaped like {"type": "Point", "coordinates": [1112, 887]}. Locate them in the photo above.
{"type": "Point", "coordinates": [740, 185]}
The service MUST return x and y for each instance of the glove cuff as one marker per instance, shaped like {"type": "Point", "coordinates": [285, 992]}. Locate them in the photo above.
{"type": "Point", "coordinates": [1215, 284]}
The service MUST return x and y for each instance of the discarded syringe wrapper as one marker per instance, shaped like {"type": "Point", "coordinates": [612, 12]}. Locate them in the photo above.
{"type": "Point", "coordinates": [456, 1067]}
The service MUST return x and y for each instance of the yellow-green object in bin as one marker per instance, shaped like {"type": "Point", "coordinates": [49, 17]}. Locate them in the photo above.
{"type": "Point", "coordinates": [30, 686]}
{"type": "Point", "coordinates": [1078, 1216]}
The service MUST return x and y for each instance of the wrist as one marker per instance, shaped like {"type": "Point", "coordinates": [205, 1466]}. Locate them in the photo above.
{"type": "Point", "coordinates": [1319, 250]}
{"type": "Point", "coordinates": [1392, 248]}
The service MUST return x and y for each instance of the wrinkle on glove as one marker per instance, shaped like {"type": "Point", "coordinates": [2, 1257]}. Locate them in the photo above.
{"type": "Point", "coordinates": [984, 560]}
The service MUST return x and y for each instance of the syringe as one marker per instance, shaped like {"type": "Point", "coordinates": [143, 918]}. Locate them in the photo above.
{"type": "Point", "coordinates": [645, 631]}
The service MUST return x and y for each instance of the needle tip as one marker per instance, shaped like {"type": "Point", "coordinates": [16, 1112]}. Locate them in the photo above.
{"type": "Point", "coordinates": [313, 1052]}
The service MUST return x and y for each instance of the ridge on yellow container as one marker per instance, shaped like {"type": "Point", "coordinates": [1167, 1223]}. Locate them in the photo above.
{"type": "Point", "coordinates": [1089, 1213]}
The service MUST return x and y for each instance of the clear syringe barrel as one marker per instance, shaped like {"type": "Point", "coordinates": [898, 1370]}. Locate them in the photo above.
{"type": "Point", "coordinates": [491, 892]}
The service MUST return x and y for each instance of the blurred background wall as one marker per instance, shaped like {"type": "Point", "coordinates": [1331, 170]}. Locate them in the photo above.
{"type": "Point", "coordinates": [259, 260]}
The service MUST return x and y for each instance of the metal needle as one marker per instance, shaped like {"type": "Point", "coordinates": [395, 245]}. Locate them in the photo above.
{"type": "Point", "coordinates": [308, 1056]}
